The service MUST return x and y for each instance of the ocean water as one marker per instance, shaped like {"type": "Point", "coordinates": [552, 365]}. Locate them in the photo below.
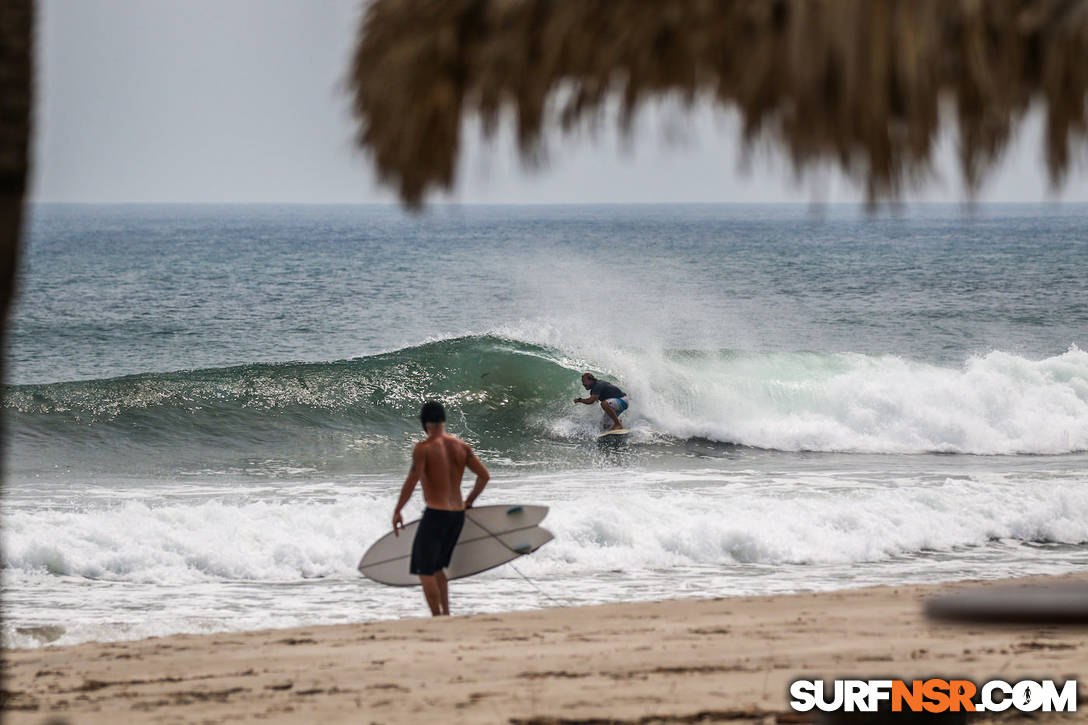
{"type": "Point", "coordinates": [210, 409]}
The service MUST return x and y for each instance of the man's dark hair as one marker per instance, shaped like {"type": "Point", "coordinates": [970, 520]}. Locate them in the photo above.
{"type": "Point", "coordinates": [591, 376]}
{"type": "Point", "coordinates": [432, 412]}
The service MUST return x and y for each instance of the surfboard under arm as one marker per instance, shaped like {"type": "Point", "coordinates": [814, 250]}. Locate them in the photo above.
{"type": "Point", "coordinates": [492, 536]}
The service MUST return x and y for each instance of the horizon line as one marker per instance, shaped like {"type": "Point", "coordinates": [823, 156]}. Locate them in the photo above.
{"type": "Point", "coordinates": [395, 204]}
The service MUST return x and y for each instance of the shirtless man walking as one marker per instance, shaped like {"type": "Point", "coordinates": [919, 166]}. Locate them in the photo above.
{"type": "Point", "coordinates": [439, 461]}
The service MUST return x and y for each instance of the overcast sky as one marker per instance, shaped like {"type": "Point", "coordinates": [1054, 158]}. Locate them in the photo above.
{"type": "Point", "coordinates": [243, 101]}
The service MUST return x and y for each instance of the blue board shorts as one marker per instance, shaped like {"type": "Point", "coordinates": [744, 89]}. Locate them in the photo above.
{"type": "Point", "coordinates": [436, 536]}
{"type": "Point", "coordinates": [617, 404]}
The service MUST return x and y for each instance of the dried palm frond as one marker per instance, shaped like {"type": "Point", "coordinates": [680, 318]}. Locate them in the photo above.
{"type": "Point", "coordinates": [860, 83]}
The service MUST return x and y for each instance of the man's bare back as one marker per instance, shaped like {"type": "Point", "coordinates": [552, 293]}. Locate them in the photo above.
{"type": "Point", "coordinates": [441, 460]}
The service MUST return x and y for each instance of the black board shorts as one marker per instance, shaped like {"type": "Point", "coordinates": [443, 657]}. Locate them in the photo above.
{"type": "Point", "coordinates": [436, 536]}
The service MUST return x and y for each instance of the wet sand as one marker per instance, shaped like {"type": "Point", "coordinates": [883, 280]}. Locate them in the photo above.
{"type": "Point", "coordinates": [719, 660]}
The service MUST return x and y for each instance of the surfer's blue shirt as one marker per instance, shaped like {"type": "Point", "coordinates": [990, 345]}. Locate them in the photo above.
{"type": "Point", "coordinates": [606, 391]}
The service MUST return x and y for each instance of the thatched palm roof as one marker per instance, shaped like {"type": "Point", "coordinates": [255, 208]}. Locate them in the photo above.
{"type": "Point", "coordinates": [861, 83]}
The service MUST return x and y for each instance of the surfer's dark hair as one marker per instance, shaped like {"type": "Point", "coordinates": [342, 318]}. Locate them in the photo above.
{"type": "Point", "coordinates": [432, 412]}
{"type": "Point", "coordinates": [591, 376]}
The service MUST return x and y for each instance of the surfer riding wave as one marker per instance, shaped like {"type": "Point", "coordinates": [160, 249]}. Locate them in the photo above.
{"type": "Point", "coordinates": [613, 400]}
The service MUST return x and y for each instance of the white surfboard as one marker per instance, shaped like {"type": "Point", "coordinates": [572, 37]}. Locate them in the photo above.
{"type": "Point", "coordinates": [614, 434]}
{"type": "Point", "coordinates": [492, 536]}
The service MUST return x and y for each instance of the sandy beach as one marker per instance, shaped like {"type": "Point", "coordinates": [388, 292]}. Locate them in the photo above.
{"type": "Point", "coordinates": [718, 660]}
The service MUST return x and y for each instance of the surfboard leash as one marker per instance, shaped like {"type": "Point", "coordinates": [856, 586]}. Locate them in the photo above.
{"type": "Point", "coordinates": [533, 584]}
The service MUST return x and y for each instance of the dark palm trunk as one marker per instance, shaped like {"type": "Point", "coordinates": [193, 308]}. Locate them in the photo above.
{"type": "Point", "coordinates": [16, 63]}
{"type": "Point", "coordinates": [16, 46]}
